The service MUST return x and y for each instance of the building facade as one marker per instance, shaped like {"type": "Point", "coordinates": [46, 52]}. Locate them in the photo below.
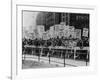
{"type": "Point", "coordinates": [78, 20]}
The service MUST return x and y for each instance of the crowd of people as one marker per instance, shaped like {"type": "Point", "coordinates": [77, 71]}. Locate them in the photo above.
{"type": "Point", "coordinates": [57, 42]}
{"type": "Point", "coordinates": [54, 42]}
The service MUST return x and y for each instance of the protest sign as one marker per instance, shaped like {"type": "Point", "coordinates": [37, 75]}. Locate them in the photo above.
{"type": "Point", "coordinates": [78, 33]}
{"type": "Point", "coordinates": [85, 32]}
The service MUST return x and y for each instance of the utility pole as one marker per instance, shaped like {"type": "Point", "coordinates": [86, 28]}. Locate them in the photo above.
{"type": "Point", "coordinates": [69, 19]}
{"type": "Point", "coordinates": [54, 22]}
{"type": "Point", "coordinates": [65, 18]}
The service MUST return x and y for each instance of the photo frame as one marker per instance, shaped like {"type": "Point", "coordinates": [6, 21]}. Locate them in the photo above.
{"type": "Point", "coordinates": [16, 60]}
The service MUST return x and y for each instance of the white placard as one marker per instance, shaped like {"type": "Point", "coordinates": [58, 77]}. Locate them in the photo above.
{"type": "Point", "coordinates": [85, 32]}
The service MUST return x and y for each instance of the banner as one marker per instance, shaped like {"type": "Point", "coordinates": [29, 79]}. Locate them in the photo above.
{"type": "Point", "coordinates": [85, 32]}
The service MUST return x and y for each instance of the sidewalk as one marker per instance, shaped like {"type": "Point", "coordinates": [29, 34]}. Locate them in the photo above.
{"type": "Point", "coordinates": [28, 64]}
{"type": "Point", "coordinates": [57, 61]}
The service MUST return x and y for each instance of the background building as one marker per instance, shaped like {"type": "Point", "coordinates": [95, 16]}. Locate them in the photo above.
{"type": "Point", "coordinates": [78, 20]}
{"type": "Point", "coordinates": [48, 19]}
{"type": "Point", "coordinates": [41, 18]}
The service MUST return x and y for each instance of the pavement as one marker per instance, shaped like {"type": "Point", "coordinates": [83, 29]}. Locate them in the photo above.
{"type": "Point", "coordinates": [31, 61]}
{"type": "Point", "coordinates": [28, 64]}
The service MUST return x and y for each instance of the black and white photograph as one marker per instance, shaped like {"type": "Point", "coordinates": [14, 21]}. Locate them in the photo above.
{"type": "Point", "coordinates": [55, 39]}
{"type": "Point", "coordinates": [50, 40]}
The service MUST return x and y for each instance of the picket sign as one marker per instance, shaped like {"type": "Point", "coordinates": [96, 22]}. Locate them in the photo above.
{"type": "Point", "coordinates": [85, 32]}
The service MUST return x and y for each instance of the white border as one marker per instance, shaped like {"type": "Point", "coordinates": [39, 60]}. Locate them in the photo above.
{"type": "Point", "coordinates": [18, 73]}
